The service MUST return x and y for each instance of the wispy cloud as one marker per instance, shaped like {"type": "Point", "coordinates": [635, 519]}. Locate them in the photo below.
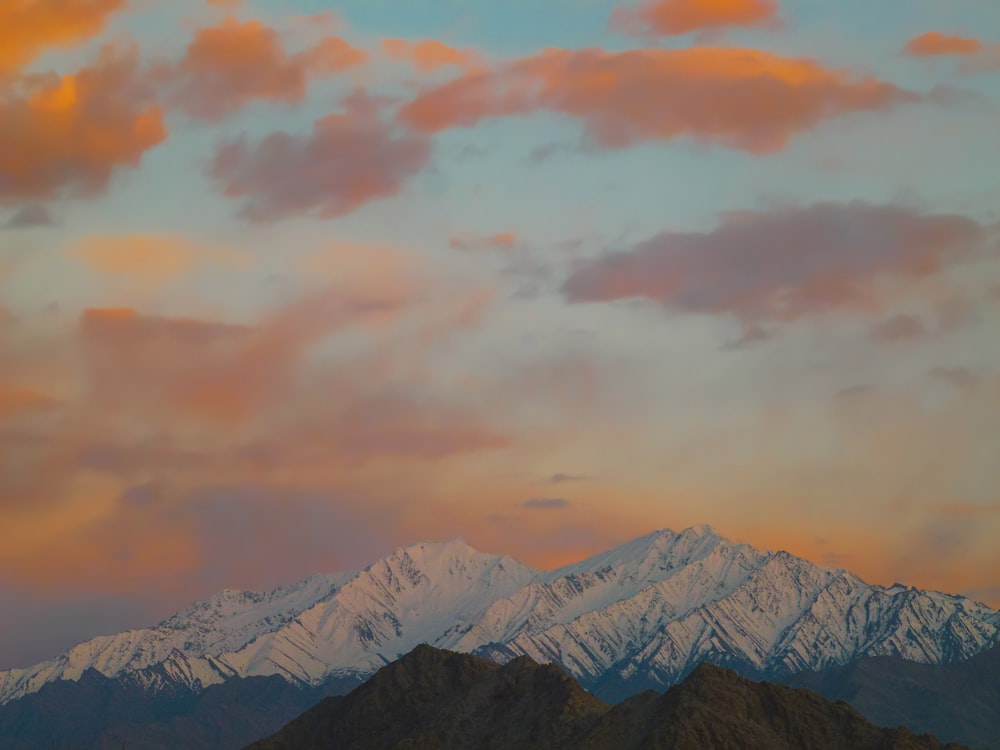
{"type": "Point", "coordinates": [546, 503]}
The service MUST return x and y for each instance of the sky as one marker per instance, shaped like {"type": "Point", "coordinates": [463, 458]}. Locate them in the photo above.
{"type": "Point", "coordinates": [284, 286]}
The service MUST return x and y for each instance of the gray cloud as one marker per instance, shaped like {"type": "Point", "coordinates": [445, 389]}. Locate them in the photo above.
{"type": "Point", "coordinates": [546, 503]}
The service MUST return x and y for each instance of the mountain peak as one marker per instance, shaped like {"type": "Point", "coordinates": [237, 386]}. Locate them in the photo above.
{"type": "Point", "coordinates": [701, 529]}
{"type": "Point", "coordinates": [455, 546]}
{"type": "Point", "coordinates": [454, 557]}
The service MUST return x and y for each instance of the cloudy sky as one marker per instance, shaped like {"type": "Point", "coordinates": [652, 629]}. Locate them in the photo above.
{"type": "Point", "coordinates": [284, 285]}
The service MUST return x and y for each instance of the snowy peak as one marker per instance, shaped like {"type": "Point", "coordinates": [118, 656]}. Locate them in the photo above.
{"type": "Point", "coordinates": [445, 569]}
{"type": "Point", "coordinates": [418, 594]}
{"type": "Point", "coordinates": [644, 556]}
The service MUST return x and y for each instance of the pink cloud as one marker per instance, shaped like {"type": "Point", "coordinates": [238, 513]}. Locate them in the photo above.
{"type": "Point", "coordinates": [900, 327]}
{"type": "Point", "coordinates": [498, 241]}
{"type": "Point", "coordinates": [349, 159]}
{"type": "Point", "coordinates": [784, 264]}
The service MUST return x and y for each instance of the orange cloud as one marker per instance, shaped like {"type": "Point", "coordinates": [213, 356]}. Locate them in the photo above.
{"type": "Point", "coordinates": [68, 135]}
{"type": "Point", "coordinates": [16, 400]}
{"type": "Point", "coordinates": [230, 65]}
{"type": "Point", "coordinates": [675, 17]}
{"type": "Point", "coordinates": [350, 159]}
{"type": "Point", "coordinates": [742, 98]}
{"type": "Point", "coordinates": [144, 366]}
{"type": "Point", "coordinates": [150, 257]}
{"type": "Point", "coordinates": [936, 43]}
{"type": "Point", "coordinates": [137, 255]}
{"type": "Point", "coordinates": [784, 264]}
{"type": "Point", "coordinates": [206, 373]}
{"type": "Point", "coordinates": [429, 55]}
{"type": "Point", "coordinates": [91, 542]}
{"type": "Point", "coordinates": [172, 424]}
{"type": "Point", "coordinates": [29, 27]}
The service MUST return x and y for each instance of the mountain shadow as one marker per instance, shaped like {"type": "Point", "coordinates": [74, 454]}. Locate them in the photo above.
{"type": "Point", "coordinates": [958, 701]}
{"type": "Point", "coordinates": [99, 713]}
{"type": "Point", "coordinates": [440, 700]}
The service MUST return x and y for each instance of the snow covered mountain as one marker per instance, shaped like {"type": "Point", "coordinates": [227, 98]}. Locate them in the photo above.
{"type": "Point", "coordinates": [643, 614]}
{"type": "Point", "coordinates": [347, 623]}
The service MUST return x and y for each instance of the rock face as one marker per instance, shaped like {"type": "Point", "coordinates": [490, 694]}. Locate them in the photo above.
{"type": "Point", "coordinates": [958, 701]}
{"type": "Point", "coordinates": [432, 699]}
{"type": "Point", "coordinates": [642, 615]}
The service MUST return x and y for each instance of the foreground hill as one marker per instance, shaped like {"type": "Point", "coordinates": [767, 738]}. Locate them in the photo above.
{"type": "Point", "coordinates": [449, 701]}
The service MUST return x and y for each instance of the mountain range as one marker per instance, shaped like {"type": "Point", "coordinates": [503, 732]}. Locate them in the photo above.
{"type": "Point", "coordinates": [449, 701]}
{"type": "Point", "coordinates": [640, 616]}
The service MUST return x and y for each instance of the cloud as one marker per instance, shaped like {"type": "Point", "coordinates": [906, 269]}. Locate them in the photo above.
{"type": "Point", "coordinates": [548, 151]}
{"type": "Point", "coordinates": [976, 55]}
{"type": "Point", "coordinates": [430, 55]}
{"type": "Point", "coordinates": [562, 478]}
{"type": "Point", "coordinates": [28, 28]}
{"type": "Point", "coordinates": [784, 264]}
{"type": "Point", "coordinates": [230, 65]}
{"type": "Point", "coordinates": [30, 216]}
{"type": "Point", "coordinates": [960, 378]}
{"type": "Point", "coordinates": [16, 400]}
{"type": "Point", "coordinates": [213, 372]}
{"type": "Point", "coordinates": [326, 530]}
{"type": "Point", "coordinates": [204, 374]}
{"type": "Point", "coordinates": [902, 327]}
{"type": "Point", "coordinates": [498, 241]}
{"type": "Point", "coordinates": [676, 17]}
{"type": "Point", "coordinates": [854, 394]}
{"type": "Point", "coordinates": [151, 257]}
{"type": "Point", "coordinates": [349, 159]}
{"type": "Point", "coordinates": [936, 43]}
{"type": "Point", "coordinates": [323, 415]}
{"type": "Point", "coordinates": [148, 366]}
{"type": "Point", "coordinates": [68, 135]}
{"type": "Point", "coordinates": [546, 503]}
{"type": "Point", "coordinates": [741, 98]}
